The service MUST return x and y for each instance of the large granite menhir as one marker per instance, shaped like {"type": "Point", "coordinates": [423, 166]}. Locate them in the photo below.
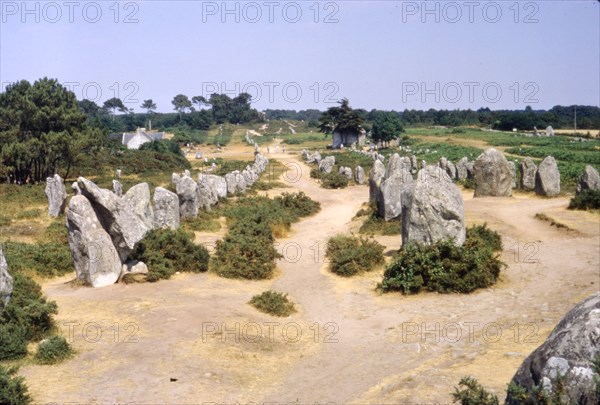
{"type": "Point", "coordinates": [57, 195]}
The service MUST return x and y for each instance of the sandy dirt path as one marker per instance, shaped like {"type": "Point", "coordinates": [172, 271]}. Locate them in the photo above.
{"type": "Point", "coordinates": [346, 343]}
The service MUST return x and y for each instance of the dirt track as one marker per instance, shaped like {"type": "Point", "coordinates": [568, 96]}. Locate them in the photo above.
{"type": "Point", "coordinates": [355, 346]}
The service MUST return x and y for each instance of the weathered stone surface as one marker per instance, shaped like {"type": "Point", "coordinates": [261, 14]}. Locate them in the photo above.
{"type": "Point", "coordinates": [96, 261]}
{"type": "Point", "coordinates": [6, 281]}
{"type": "Point", "coordinates": [326, 165]}
{"type": "Point", "coordinates": [235, 182]}
{"type": "Point", "coordinates": [414, 166]}
{"type": "Point", "coordinates": [528, 171]}
{"type": "Point", "coordinates": [206, 196]}
{"type": "Point", "coordinates": [187, 192]}
{"type": "Point", "coordinates": [133, 267]}
{"type": "Point", "coordinates": [492, 175]}
{"type": "Point", "coordinates": [359, 175]}
{"type": "Point", "coordinates": [397, 165]}
{"type": "Point", "coordinates": [175, 178]}
{"type": "Point", "coordinates": [389, 202]}
{"type": "Point", "coordinates": [589, 180]}
{"type": "Point", "coordinates": [461, 168]}
{"type": "Point", "coordinates": [166, 209]}
{"type": "Point", "coordinates": [346, 171]}
{"type": "Point", "coordinates": [261, 162]}
{"type": "Point", "coordinates": [314, 157]}
{"type": "Point", "coordinates": [116, 216]}
{"type": "Point", "coordinates": [75, 188]}
{"type": "Point", "coordinates": [432, 209]}
{"type": "Point", "coordinates": [547, 178]}
{"type": "Point", "coordinates": [549, 131]}
{"type": "Point", "coordinates": [569, 350]}
{"type": "Point", "coordinates": [138, 197]}
{"type": "Point", "coordinates": [117, 188]}
{"type": "Point", "coordinates": [513, 173]}
{"type": "Point", "coordinates": [57, 195]}
{"type": "Point", "coordinates": [375, 178]}
{"type": "Point", "coordinates": [218, 183]}
{"type": "Point", "coordinates": [451, 170]}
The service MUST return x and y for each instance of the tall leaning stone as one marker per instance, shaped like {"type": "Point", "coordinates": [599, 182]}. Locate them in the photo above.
{"type": "Point", "coordinates": [166, 209]}
{"type": "Point", "coordinates": [138, 197]}
{"type": "Point", "coordinates": [569, 351]}
{"type": "Point", "coordinates": [375, 177]}
{"type": "Point", "coordinates": [116, 216]}
{"type": "Point", "coordinates": [187, 191]}
{"type": "Point", "coordinates": [513, 173]}
{"type": "Point", "coordinates": [96, 261]}
{"type": "Point", "coordinates": [57, 195]}
{"type": "Point", "coordinates": [547, 178]}
{"type": "Point", "coordinates": [6, 281]}
{"type": "Point", "coordinates": [493, 176]}
{"type": "Point", "coordinates": [528, 171]}
{"type": "Point", "coordinates": [589, 180]}
{"type": "Point", "coordinates": [433, 209]}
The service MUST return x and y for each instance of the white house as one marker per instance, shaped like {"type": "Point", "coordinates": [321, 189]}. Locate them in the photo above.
{"type": "Point", "coordinates": [138, 138]}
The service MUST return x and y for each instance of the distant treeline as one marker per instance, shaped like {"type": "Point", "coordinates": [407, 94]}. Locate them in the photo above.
{"type": "Point", "coordinates": [588, 117]}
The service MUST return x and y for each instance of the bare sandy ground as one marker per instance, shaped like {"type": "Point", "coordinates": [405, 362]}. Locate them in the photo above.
{"type": "Point", "coordinates": [194, 339]}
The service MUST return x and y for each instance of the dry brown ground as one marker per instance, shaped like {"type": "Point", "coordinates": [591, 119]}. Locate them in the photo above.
{"type": "Point", "coordinates": [355, 345]}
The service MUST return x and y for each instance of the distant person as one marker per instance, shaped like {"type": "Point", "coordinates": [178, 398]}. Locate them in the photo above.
{"type": "Point", "coordinates": [283, 148]}
{"type": "Point", "coordinates": [268, 150]}
{"type": "Point", "coordinates": [276, 148]}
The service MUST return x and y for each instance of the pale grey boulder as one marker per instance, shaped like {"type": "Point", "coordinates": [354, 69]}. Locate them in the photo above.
{"type": "Point", "coordinates": [116, 216]}
{"type": "Point", "coordinates": [326, 165]}
{"type": "Point", "coordinates": [375, 178]}
{"type": "Point", "coordinates": [133, 267]}
{"type": "Point", "coordinates": [461, 169]}
{"type": "Point", "coordinates": [57, 195]}
{"type": "Point", "coordinates": [187, 192]}
{"type": "Point", "coordinates": [569, 350]}
{"type": "Point", "coordinates": [235, 182]}
{"type": "Point", "coordinates": [166, 209]}
{"type": "Point", "coordinates": [138, 197]}
{"type": "Point", "coordinates": [547, 178]}
{"type": "Point", "coordinates": [389, 202]}
{"type": "Point", "coordinates": [218, 183]}
{"type": "Point", "coordinates": [493, 175]}
{"type": "Point", "coordinates": [117, 188]}
{"type": "Point", "coordinates": [359, 175]}
{"type": "Point", "coordinates": [6, 281]}
{"type": "Point", "coordinates": [589, 180]}
{"type": "Point", "coordinates": [528, 171]}
{"type": "Point", "coordinates": [97, 263]}
{"type": "Point", "coordinates": [432, 209]}
{"type": "Point", "coordinates": [513, 173]}
{"type": "Point", "coordinates": [346, 171]}
{"type": "Point", "coordinates": [414, 166]}
{"type": "Point", "coordinates": [451, 170]}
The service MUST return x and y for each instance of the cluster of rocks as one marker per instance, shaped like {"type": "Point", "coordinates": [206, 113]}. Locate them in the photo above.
{"type": "Point", "coordinates": [431, 207]}
{"type": "Point", "coordinates": [327, 164]}
{"type": "Point", "coordinates": [589, 180]}
{"type": "Point", "coordinates": [6, 281]}
{"type": "Point", "coordinates": [569, 351]}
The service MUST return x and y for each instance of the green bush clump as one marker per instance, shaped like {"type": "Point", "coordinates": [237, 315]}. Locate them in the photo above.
{"type": "Point", "coordinates": [349, 255]}
{"type": "Point", "coordinates": [144, 162]}
{"type": "Point", "coordinates": [13, 390]}
{"type": "Point", "coordinates": [26, 318]}
{"type": "Point", "coordinates": [334, 180]}
{"type": "Point", "coordinates": [472, 393]}
{"type": "Point", "coordinates": [375, 225]}
{"type": "Point", "coordinates": [166, 251]}
{"type": "Point", "coordinates": [53, 350]}
{"type": "Point", "coordinates": [444, 267]}
{"type": "Point", "coordinates": [273, 303]}
{"type": "Point", "coordinates": [48, 259]}
{"type": "Point", "coordinates": [298, 204]}
{"type": "Point", "coordinates": [586, 200]}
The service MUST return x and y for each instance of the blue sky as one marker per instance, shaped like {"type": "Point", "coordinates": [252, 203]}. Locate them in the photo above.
{"type": "Point", "coordinates": [308, 54]}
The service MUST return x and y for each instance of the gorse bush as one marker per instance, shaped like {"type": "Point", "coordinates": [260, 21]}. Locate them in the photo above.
{"type": "Point", "coordinates": [375, 225]}
{"type": "Point", "coordinates": [349, 255]}
{"type": "Point", "coordinates": [472, 393]}
{"type": "Point", "coordinates": [47, 259]}
{"type": "Point", "coordinates": [298, 204]}
{"type": "Point", "coordinates": [53, 350]}
{"type": "Point", "coordinates": [13, 390]}
{"type": "Point", "coordinates": [273, 303]}
{"type": "Point", "coordinates": [444, 267]}
{"type": "Point", "coordinates": [166, 251]}
{"type": "Point", "coordinates": [586, 200]}
{"type": "Point", "coordinates": [334, 180]}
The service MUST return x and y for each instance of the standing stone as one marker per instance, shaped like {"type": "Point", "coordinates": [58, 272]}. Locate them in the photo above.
{"type": "Point", "coordinates": [138, 197]}
{"type": "Point", "coordinates": [175, 178]}
{"type": "Point", "coordinates": [451, 170]}
{"type": "Point", "coordinates": [589, 180]}
{"type": "Point", "coordinates": [75, 188]}
{"type": "Point", "coordinates": [346, 171]}
{"type": "Point", "coordinates": [413, 164]}
{"type": "Point", "coordinates": [217, 182]}
{"type": "Point", "coordinates": [432, 209]}
{"type": "Point", "coordinates": [117, 188]}
{"type": "Point", "coordinates": [547, 178]}
{"type": "Point", "coordinates": [116, 216]}
{"type": "Point", "coordinates": [389, 202]}
{"type": "Point", "coordinates": [549, 131]}
{"type": "Point", "coordinates": [470, 170]}
{"type": "Point", "coordinates": [57, 195]}
{"type": "Point", "coordinates": [315, 157]}
{"type": "Point", "coordinates": [235, 182]}
{"type": "Point", "coordinates": [375, 178]}
{"type": "Point", "coordinates": [96, 261]}
{"type": "Point", "coordinates": [443, 163]}
{"type": "Point", "coordinates": [6, 281]}
{"type": "Point", "coordinates": [569, 350]}
{"type": "Point", "coordinates": [528, 172]}
{"type": "Point", "coordinates": [166, 209]}
{"type": "Point", "coordinates": [359, 175]}
{"type": "Point", "coordinates": [493, 176]}
{"type": "Point", "coordinates": [513, 173]}
{"type": "Point", "coordinates": [397, 164]}
{"type": "Point", "coordinates": [326, 165]}
{"type": "Point", "coordinates": [461, 169]}
{"type": "Point", "coordinates": [187, 191]}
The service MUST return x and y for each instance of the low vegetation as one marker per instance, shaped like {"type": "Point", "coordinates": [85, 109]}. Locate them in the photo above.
{"type": "Point", "coordinates": [552, 222]}
{"type": "Point", "coordinates": [586, 200]}
{"type": "Point", "coordinates": [166, 251]}
{"type": "Point", "coordinates": [349, 255]}
{"type": "Point", "coordinates": [273, 303]}
{"type": "Point", "coordinates": [13, 390]}
{"type": "Point", "coordinates": [375, 225]}
{"type": "Point", "coordinates": [46, 259]}
{"type": "Point", "coordinates": [333, 180]}
{"type": "Point", "coordinates": [446, 268]}
{"type": "Point", "coordinates": [53, 350]}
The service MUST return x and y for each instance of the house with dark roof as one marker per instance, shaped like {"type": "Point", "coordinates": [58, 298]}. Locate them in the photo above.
{"type": "Point", "coordinates": [133, 140]}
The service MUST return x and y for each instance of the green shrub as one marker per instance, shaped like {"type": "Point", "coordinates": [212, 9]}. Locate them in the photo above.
{"type": "Point", "coordinates": [13, 390]}
{"type": "Point", "coordinates": [375, 225]}
{"type": "Point", "coordinates": [53, 350]}
{"type": "Point", "coordinates": [586, 200]}
{"type": "Point", "coordinates": [5, 220]}
{"type": "Point", "coordinates": [298, 204]}
{"type": "Point", "coordinates": [47, 259]}
{"type": "Point", "coordinates": [445, 267]}
{"type": "Point", "coordinates": [166, 251]}
{"type": "Point", "coordinates": [274, 303]}
{"type": "Point", "coordinates": [334, 180]}
{"type": "Point", "coordinates": [205, 221]}
{"type": "Point", "coordinates": [472, 393]}
{"type": "Point", "coordinates": [349, 255]}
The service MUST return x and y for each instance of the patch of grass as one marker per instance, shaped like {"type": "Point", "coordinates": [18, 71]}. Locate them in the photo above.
{"type": "Point", "coordinates": [350, 255]}
{"type": "Point", "coordinates": [552, 222]}
{"type": "Point", "coordinates": [53, 350]}
{"type": "Point", "coordinates": [13, 390]}
{"type": "Point", "coordinates": [375, 225]}
{"type": "Point", "coordinates": [48, 259]}
{"type": "Point", "coordinates": [273, 303]}
{"type": "Point", "coordinates": [444, 267]}
{"type": "Point", "coordinates": [267, 185]}
{"type": "Point", "coordinates": [586, 200]}
{"type": "Point", "coordinates": [204, 222]}
{"type": "Point", "coordinates": [232, 165]}
{"type": "Point", "coordinates": [29, 214]}
{"type": "Point", "coordinates": [166, 251]}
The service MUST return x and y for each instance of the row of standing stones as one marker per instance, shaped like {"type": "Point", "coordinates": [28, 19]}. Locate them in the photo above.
{"type": "Point", "coordinates": [104, 226]}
